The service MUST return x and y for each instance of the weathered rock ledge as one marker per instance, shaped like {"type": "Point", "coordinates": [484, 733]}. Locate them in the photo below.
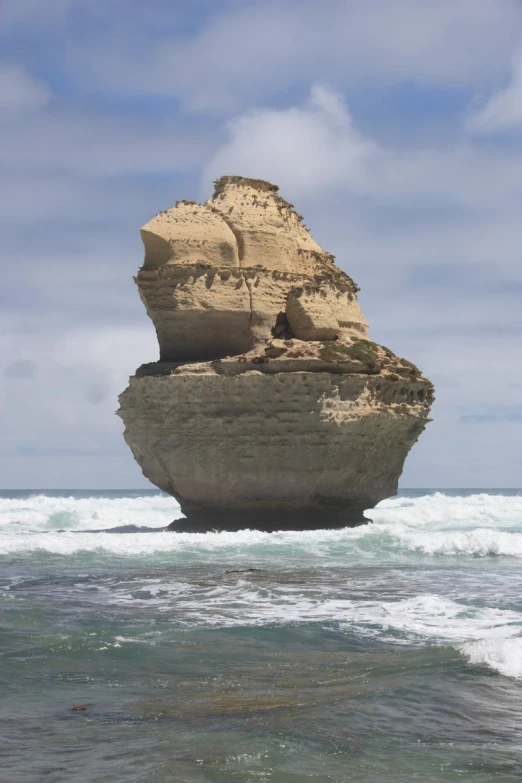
{"type": "Point", "coordinates": [269, 407]}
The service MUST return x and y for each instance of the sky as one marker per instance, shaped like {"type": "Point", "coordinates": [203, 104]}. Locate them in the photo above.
{"type": "Point", "coordinates": [394, 126]}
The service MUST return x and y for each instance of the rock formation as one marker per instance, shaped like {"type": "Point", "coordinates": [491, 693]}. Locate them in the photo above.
{"type": "Point", "coordinates": [269, 406]}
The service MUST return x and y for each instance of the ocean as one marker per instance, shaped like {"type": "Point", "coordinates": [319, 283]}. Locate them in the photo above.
{"type": "Point", "coordinates": [388, 652]}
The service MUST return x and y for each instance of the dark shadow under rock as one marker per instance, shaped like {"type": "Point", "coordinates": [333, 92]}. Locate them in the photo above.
{"type": "Point", "coordinates": [269, 521]}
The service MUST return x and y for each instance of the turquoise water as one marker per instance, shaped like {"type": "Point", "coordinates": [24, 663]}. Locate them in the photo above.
{"type": "Point", "coordinates": [388, 652]}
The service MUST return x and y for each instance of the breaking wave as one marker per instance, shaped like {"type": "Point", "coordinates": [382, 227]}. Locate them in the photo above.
{"type": "Point", "coordinates": [45, 513]}
{"type": "Point", "coordinates": [478, 526]}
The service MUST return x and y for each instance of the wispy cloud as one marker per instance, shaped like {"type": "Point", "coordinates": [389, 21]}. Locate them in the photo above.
{"type": "Point", "coordinates": [249, 51]}
{"type": "Point", "coordinates": [20, 92]}
{"type": "Point", "coordinates": [503, 109]}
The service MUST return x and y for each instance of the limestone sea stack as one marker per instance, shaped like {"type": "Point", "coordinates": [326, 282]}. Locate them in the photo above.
{"type": "Point", "coordinates": [269, 407]}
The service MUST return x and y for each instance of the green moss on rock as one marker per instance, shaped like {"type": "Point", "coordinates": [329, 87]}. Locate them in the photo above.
{"type": "Point", "coordinates": [359, 351]}
{"type": "Point", "coordinates": [411, 368]}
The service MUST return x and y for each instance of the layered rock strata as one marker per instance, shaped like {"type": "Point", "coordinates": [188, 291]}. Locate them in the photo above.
{"type": "Point", "coordinates": [269, 407]}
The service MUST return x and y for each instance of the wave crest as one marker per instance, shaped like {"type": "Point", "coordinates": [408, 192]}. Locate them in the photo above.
{"type": "Point", "coordinates": [479, 525]}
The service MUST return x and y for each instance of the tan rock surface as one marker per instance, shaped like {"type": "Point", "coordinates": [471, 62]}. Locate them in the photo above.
{"type": "Point", "coordinates": [217, 275]}
{"type": "Point", "coordinates": [324, 312]}
{"type": "Point", "coordinates": [189, 233]}
{"type": "Point", "coordinates": [268, 398]}
{"type": "Point", "coordinates": [269, 231]}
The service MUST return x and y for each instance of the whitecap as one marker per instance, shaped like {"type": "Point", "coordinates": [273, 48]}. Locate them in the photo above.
{"type": "Point", "coordinates": [503, 655]}
{"type": "Point", "coordinates": [40, 512]}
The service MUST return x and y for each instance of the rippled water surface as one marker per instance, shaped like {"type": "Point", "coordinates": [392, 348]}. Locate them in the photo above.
{"type": "Point", "coordinates": [388, 652]}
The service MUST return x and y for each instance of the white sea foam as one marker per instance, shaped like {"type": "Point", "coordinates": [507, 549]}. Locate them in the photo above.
{"type": "Point", "coordinates": [503, 655]}
{"type": "Point", "coordinates": [481, 542]}
{"type": "Point", "coordinates": [486, 635]}
{"type": "Point", "coordinates": [426, 617]}
{"type": "Point", "coordinates": [119, 640]}
{"type": "Point", "coordinates": [480, 525]}
{"type": "Point", "coordinates": [40, 512]}
{"type": "Point", "coordinates": [328, 546]}
{"type": "Point", "coordinates": [450, 511]}
{"type": "Point", "coordinates": [404, 529]}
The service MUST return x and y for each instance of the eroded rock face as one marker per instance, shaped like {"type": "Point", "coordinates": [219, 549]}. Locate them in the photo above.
{"type": "Point", "coordinates": [269, 406]}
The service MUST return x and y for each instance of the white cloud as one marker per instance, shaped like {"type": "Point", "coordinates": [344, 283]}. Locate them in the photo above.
{"type": "Point", "coordinates": [317, 147]}
{"type": "Point", "coordinates": [19, 91]}
{"type": "Point", "coordinates": [68, 402]}
{"type": "Point", "coordinates": [503, 110]}
{"type": "Point", "coordinates": [301, 148]}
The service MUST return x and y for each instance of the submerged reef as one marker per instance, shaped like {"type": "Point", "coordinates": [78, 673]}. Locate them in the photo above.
{"type": "Point", "coordinates": [270, 406]}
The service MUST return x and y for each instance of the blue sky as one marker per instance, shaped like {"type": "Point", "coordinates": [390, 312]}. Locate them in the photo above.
{"type": "Point", "coordinates": [394, 126]}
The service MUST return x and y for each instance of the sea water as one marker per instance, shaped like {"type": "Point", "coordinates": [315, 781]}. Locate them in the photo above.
{"type": "Point", "coordinates": [387, 652]}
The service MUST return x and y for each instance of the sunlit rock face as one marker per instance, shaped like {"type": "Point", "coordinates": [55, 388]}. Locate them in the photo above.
{"type": "Point", "coordinates": [269, 407]}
